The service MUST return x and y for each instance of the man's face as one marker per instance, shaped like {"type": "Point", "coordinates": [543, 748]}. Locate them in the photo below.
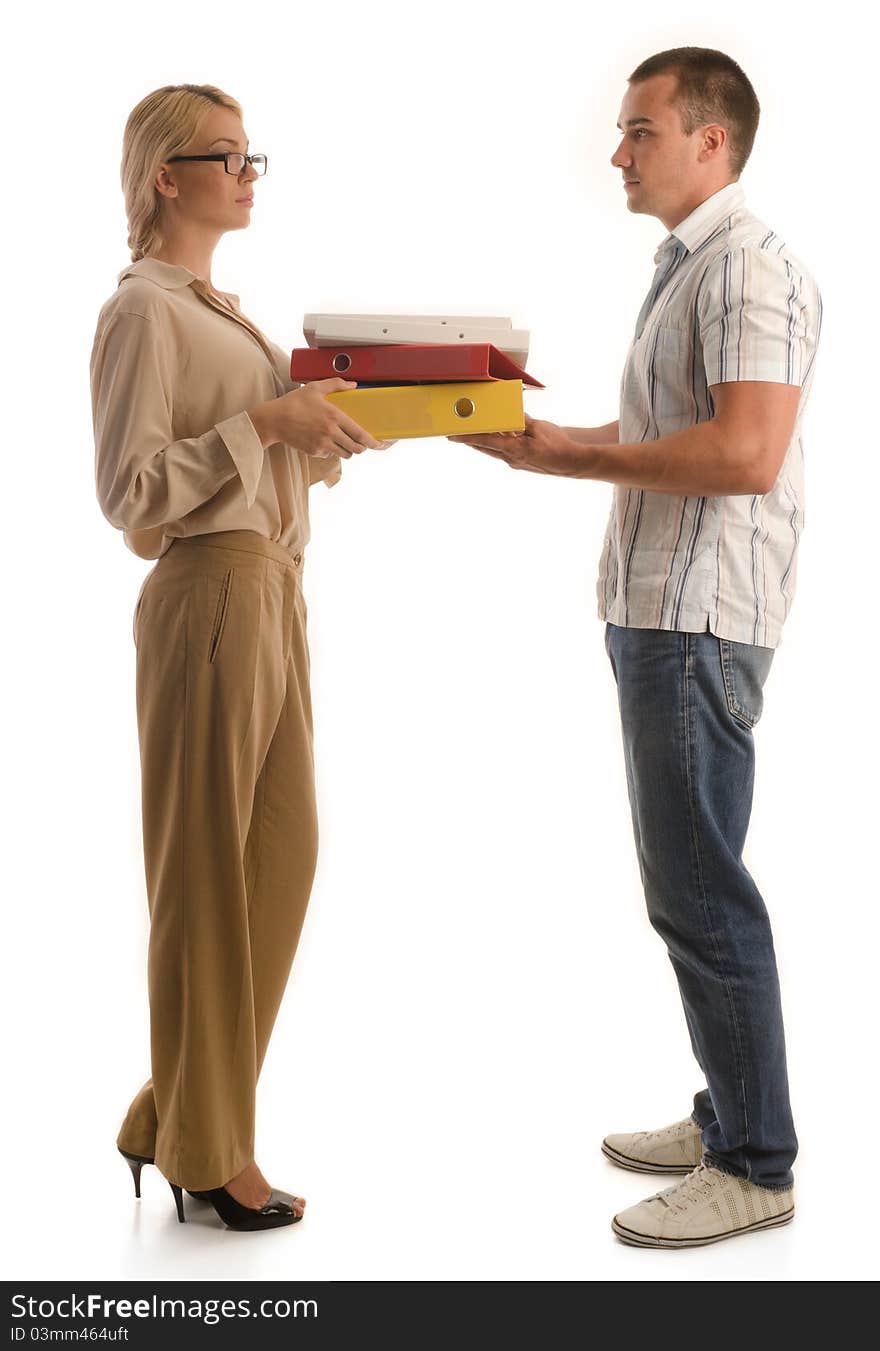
{"type": "Point", "coordinates": [666, 173]}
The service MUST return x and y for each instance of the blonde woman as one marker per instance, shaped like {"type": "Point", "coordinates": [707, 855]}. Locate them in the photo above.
{"type": "Point", "coordinates": [204, 454]}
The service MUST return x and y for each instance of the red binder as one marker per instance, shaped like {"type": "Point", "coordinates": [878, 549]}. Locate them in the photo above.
{"type": "Point", "coordinates": [407, 363]}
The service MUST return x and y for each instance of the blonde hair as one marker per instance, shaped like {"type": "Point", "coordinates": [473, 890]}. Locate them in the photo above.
{"type": "Point", "coordinates": [163, 124]}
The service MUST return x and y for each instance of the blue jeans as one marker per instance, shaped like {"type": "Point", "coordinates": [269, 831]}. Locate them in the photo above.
{"type": "Point", "coordinates": [688, 703]}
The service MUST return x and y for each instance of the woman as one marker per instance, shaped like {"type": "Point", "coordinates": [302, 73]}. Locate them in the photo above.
{"type": "Point", "coordinates": [196, 420]}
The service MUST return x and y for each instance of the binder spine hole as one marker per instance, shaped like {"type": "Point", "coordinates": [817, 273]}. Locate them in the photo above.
{"type": "Point", "coordinates": [464, 407]}
{"type": "Point", "coordinates": [342, 361]}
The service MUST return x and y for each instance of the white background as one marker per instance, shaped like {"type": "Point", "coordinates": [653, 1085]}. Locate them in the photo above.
{"type": "Point", "coordinates": [478, 996]}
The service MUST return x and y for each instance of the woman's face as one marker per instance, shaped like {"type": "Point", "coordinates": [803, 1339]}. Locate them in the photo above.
{"type": "Point", "coordinates": [201, 193]}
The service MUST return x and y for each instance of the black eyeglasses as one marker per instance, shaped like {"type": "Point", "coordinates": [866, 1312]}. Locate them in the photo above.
{"type": "Point", "coordinates": [234, 161]}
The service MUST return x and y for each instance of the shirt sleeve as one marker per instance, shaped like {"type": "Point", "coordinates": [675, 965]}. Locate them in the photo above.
{"type": "Point", "coordinates": [143, 477]}
{"type": "Point", "coordinates": [758, 316]}
{"type": "Point", "coordinates": [321, 468]}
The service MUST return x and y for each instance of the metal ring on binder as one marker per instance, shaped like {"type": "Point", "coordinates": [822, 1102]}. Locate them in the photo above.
{"type": "Point", "coordinates": [464, 407]}
{"type": "Point", "coordinates": [342, 361]}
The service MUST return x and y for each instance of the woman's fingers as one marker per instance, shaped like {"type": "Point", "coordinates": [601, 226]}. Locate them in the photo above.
{"type": "Point", "coordinates": [352, 432]}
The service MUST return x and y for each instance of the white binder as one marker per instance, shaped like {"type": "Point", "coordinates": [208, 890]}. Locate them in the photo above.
{"type": "Point", "coordinates": [335, 330]}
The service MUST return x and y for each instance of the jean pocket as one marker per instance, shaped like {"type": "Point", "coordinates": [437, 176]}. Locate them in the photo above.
{"type": "Point", "coordinates": [220, 612]}
{"type": "Point", "coordinates": [744, 667]}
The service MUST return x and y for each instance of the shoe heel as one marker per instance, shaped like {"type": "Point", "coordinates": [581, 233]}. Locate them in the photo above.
{"type": "Point", "coordinates": [178, 1198]}
{"type": "Point", "coordinates": [135, 1163]}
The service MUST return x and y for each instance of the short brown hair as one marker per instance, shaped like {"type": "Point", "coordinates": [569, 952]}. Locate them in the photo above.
{"type": "Point", "coordinates": [711, 87]}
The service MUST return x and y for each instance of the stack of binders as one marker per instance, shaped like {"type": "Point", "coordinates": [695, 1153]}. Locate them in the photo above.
{"type": "Point", "coordinates": [420, 375]}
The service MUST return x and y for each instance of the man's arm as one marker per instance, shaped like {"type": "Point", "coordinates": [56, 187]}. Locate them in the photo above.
{"type": "Point", "coordinates": [759, 319]}
{"type": "Point", "coordinates": [737, 452]}
{"type": "Point", "coordinates": [590, 436]}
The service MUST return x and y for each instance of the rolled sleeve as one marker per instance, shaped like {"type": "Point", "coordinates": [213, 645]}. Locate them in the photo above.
{"type": "Point", "coordinates": [757, 316]}
{"type": "Point", "coordinates": [144, 478]}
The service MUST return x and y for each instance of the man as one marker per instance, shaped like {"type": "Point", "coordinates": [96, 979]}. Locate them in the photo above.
{"type": "Point", "coordinates": [696, 579]}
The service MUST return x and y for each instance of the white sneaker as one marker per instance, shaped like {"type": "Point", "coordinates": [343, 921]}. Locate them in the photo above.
{"type": "Point", "coordinates": [704, 1207]}
{"type": "Point", "coordinates": [674, 1149]}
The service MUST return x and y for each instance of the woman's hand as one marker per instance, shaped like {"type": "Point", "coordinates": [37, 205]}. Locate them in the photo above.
{"type": "Point", "coordinates": [305, 419]}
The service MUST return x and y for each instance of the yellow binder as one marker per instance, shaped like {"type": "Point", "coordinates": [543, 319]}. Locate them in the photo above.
{"type": "Point", "coordinates": [391, 412]}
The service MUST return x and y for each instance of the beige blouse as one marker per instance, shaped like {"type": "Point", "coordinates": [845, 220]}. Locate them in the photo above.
{"type": "Point", "coordinates": [173, 369]}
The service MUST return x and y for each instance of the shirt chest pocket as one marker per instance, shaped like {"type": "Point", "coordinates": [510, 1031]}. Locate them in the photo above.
{"type": "Point", "coordinates": [668, 378]}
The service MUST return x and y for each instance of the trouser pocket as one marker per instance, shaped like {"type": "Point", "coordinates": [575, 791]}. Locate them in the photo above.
{"type": "Point", "coordinates": [137, 605]}
{"type": "Point", "coordinates": [220, 613]}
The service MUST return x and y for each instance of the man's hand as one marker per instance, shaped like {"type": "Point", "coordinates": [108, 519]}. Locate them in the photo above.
{"type": "Point", "coordinates": [542, 448]}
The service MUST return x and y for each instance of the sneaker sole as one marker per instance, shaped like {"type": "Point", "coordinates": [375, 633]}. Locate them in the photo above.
{"type": "Point", "coordinates": [637, 1240]}
{"type": "Point", "coordinates": [637, 1166]}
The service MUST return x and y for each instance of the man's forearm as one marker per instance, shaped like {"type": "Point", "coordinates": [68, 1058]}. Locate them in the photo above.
{"type": "Point", "coordinates": [699, 461]}
{"type": "Point", "coordinates": [592, 435]}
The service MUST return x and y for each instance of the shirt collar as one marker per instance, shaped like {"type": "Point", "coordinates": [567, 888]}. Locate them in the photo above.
{"type": "Point", "coordinates": [170, 276]}
{"type": "Point", "coordinates": [696, 228]}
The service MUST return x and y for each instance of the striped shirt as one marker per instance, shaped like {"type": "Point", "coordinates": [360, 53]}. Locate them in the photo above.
{"type": "Point", "coordinates": [735, 305]}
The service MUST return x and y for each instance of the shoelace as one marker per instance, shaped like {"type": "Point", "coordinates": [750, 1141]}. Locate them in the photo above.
{"type": "Point", "coordinates": [690, 1190]}
{"type": "Point", "coordinates": [680, 1128]}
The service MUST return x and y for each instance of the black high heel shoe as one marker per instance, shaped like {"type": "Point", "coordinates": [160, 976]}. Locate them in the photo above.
{"type": "Point", "coordinates": [278, 1209]}
{"type": "Point", "coordinates": [136, 1163]}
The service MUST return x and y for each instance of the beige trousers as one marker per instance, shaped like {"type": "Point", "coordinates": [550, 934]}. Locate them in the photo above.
{"type": "Point", "coordinates": [230, 837]}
